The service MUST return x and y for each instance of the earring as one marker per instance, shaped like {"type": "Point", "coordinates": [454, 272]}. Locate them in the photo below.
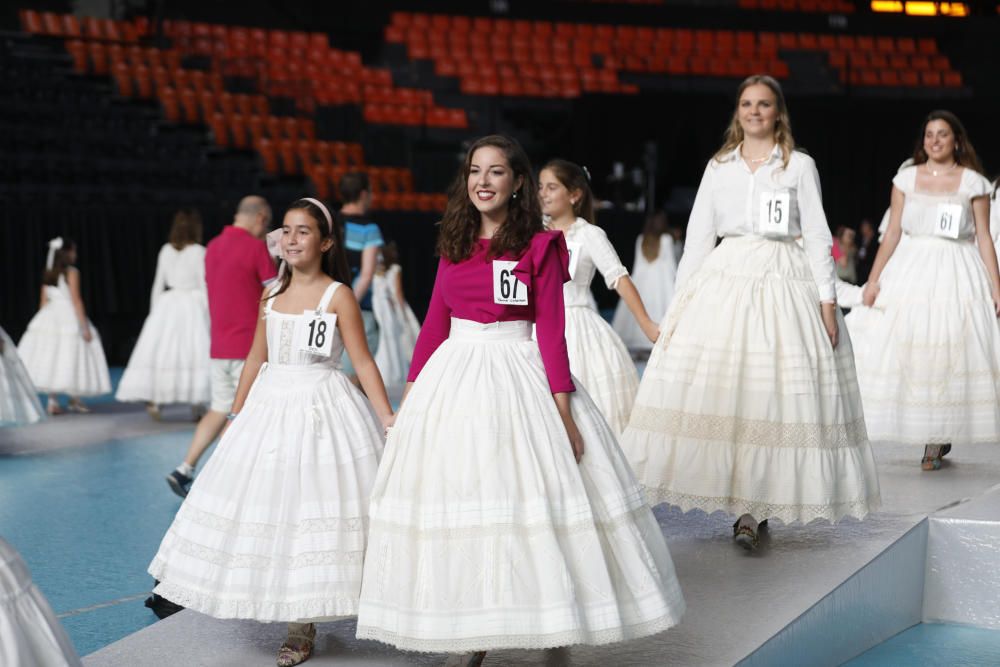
{"type": "Point", "coordinates": [514, 196]}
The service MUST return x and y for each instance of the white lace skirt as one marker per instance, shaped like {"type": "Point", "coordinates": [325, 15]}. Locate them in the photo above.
{"type": "Point", "coordinates": [58, 360]}
{"type": "Point", "coordinates": [486, 533]}
{"type": "Point", "coordinates": [30, 634]}
{"type": "Point", "coordinates": [744, 405]}
{"type": "Point", "coordinates": [274, 528]}
{"type": "Point", "coordinates": [929, 367]}
{"type": "Point", "coordinates": [19, 402]}
{"type": "Point", "coordinates": [170, 361]}
{"type": "Point", "coordinates": [599, 360]}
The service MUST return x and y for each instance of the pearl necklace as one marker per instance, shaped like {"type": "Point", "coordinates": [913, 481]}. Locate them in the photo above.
{"type": "Point", "coordinates": [935, 172]}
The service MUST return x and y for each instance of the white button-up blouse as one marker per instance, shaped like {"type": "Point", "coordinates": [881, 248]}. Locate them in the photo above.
{"type": "Point", "coordinates": [730, 201]}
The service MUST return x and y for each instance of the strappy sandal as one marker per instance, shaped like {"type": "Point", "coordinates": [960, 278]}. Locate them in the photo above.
{"type": "Point", "coordinates": [465, 659]}
{"type": "Point", "coordinates": [53, 409]}
{"type": "Point", "coordinates": [932, 457]}
{"type": "Point", "coordinates": [154, 411]}
{"type": "Point", "coordinates": [298, 647]}
{"type": "Point", "coordinates": [78, 407]}
{"type": "Point", "coordinates": [746, 536]}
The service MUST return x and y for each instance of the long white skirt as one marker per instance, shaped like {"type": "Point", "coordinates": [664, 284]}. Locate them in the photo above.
{"type": "Point", "coordinates": [744, 405]}
{"type": "Point", "coordinates": [30, 634]}
{"type": "Point", "coordinates": [58, 360]}
{"type": "Point", "coordinates": [486, 533]}
{"type": "Point", "coordinates": [274, 528]}
{"type": "Point", "coordinates": [929, 369]}
{"type": "Point", "coordinates": [599, 359]}
{"type": "Point", "coordinates": [170, 361]}
{"type": "Point", "coordinates": [18, 398]}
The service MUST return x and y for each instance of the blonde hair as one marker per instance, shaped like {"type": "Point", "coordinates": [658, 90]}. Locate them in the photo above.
{"type": "Point", "coordinates": [782, 126]}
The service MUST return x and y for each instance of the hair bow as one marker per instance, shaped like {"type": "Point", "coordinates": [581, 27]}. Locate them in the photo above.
{"type": "Point", "coordinates": [54, 244]}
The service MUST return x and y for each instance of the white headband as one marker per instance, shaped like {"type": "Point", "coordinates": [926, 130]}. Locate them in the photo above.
{"type": "Point", "coordinates": [54, 244]}
{"type": "Point", "coordinates": [322, 207]}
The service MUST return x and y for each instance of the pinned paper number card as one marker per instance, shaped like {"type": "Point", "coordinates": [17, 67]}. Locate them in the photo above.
{"type": "Point", "coordinates": [948, 220]}
{"type": "Point", "coordinates": [507, 289]}
{"type": "Point", "coordinates": [774, 212]}
{"type": "Point", "coordinates": [574, 257]}
{"type": "Point", "coordinates": [315, 332]}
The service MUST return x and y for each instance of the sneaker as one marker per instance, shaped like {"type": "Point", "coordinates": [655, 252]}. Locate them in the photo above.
{"type": "Point", "coordinates": [179, 483]}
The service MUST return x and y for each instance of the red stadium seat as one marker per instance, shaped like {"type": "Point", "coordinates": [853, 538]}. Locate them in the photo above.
{"type": "Point", "coordinates": [171, 107]}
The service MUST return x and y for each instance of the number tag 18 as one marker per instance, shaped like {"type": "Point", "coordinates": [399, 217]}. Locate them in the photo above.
{"type": "Point", "coordinates": [315, 333]}
{"type": "Point", "coordinates": [507, 289]}
{"type": "Point", "coordinates": [948, 220]}
{"type": "Point", "coordinates": [774, 211]}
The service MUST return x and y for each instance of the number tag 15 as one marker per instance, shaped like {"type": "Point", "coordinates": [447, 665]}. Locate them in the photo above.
{"type": "Point", "coordinates": [315, 333]}
{"type": "Point", "coordinates": [774, 213]}
{"type": "Point", "coordinates": [507, 289]}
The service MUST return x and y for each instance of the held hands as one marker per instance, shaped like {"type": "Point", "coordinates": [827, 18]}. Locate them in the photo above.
{"type": "Point", "coordinates": [829, 313]}
{"type": "Point", "coordinates": [387, 422]}
{"type": "Point", "coordinates": [870, 293]}
{"type": "Point", "coordinates": [651, 329]}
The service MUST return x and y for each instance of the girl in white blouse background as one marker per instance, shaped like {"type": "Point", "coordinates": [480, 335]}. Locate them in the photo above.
{"type": "Point", "coordinates": [930, 368]}
{"type": "Point", "coordinates": [597, 356]}
{"type": "Point", "coordinates": [749, 404]}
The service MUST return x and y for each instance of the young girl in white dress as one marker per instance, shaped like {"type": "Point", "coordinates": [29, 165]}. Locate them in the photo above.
{"type": "Point", "coordinates": [653, 273]}
{"type": "Point", "coordinates": [61, 348]}
{"type": "Point", "coordinates": [597, 356]}
{"type": "Point", "coordinates": [19, 402]}
{"type": "Point", "coordinates": [504, 515]}
{"type": "Point", "coordinates": [170, 361]}
{"type": "Point", "coordinates": [398, 326]}
{"type": "Point", "coordinates": [275, 527]}
{"type": "Point", "coordinates": [930, 373]}
{"type": "Point", "coordinates": [749, 404]}
{"type": "Point", "coordinates": [30, 634]}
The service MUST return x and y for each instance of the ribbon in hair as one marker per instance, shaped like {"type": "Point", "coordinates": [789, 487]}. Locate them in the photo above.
{"type": "Point", "coordinates": [54, 244]}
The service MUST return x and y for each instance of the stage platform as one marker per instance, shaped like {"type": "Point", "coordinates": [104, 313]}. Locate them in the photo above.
{"type": "Point", "coordinates": [816, 595]}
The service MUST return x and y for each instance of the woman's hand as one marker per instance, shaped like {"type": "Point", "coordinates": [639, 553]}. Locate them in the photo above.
{"type": "Point", "coordinates": [87, 334]}
{"type": "Point", "coordinates": [870, 293]}
{"type": "Point", "coordinates": [387, 422]}
{"type": "Point", "coordinates": [996, 301]}
{"type": "Point", "coordinates": [829, 313]}
{"type": "Point", "coordinates": [651, 329]}
{"type": "Point", "coordinates": [572, 432]}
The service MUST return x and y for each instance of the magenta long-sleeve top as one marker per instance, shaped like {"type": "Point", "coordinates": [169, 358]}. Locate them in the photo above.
{"type": "Point", "coordinates": [465, 291]}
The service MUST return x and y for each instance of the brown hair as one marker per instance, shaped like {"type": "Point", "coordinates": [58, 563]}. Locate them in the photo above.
{"type": "Point", "coordinates": [351, 185]}
{"type": "Point", "coordinates": [573, 177]}
{"type": "Point", "coordinates": [186, 228]}
{"type": "Point", "coordinates": [60, 262]}
{"type": "Point", "coordinates": [655, 227]}
{"type": "Point", "coordinates": [460, 224]}
{"type": "Point", "coordinates": [334, 261]}
{"type": "Point", "coordinates": [390, 254]}
{"type": "Point", "coordinates": [782, 126]}
{"type": "Point", "coordinates": [965, 154]}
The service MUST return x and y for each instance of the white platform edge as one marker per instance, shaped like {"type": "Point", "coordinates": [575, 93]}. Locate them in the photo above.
{"type": "Point", "coordinates": [878, 601]}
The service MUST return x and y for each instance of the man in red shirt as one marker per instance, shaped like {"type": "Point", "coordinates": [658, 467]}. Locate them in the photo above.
{"type": "Point", "coordinates": [237, 266]}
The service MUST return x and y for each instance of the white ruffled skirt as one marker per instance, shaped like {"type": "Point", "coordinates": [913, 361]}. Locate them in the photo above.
{"type": "Point", "coordinates": [744, 406]}
{"type": "Point", "coordinates": [19, 402]}
{"type": "Point", "coordinates": [929, 368]}
{"type": "Point", "coordinates": [601, 362]}
{"type": "Point", "coordinates": [170, 361]}
{"type": "Point", "coordinates": [30, 634]}
{"type": "Point", "coordinates": [486, 533]}
{"type": "Point", "coordinates": [274, 528]}
{"type": "Point", "coordinates": [58, 360]}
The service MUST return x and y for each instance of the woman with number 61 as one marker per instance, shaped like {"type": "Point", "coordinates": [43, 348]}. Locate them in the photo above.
{"type": "Point", "coordinates": [749, 404]}
{"type": "Point", "coordinates": [930, 374]}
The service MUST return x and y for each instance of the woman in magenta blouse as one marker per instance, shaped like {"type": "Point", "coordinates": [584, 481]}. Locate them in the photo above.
{"type": "Point", "coordinates": [504, 514]}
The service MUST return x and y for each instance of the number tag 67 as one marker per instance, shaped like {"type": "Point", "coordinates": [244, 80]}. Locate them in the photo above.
{"type": "Point", "coordinates": [507, 289]}
{"type": "Point", "coordinates": [315, 333]}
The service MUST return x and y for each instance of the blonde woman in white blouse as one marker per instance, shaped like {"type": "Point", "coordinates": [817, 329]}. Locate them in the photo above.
{"type": "Point", "coordinates": [930, 368]}
{"type": "Point", "coordinates": [749, 404]}
{"type": "Point", "coordinates": [597, 356]}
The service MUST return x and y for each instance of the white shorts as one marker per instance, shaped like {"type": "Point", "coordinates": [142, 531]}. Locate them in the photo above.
{"type": "Point", "coordinates": [225, 379]}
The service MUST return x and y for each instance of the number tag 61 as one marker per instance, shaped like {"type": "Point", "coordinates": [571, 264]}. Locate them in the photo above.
{"type": "Point", "coordinates": [507, 289]}
{"type": "Point", "coordinates": [315, 333]}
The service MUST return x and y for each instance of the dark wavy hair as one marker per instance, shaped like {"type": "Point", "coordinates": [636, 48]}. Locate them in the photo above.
{"type": "Point", "coordinates": [573, 177]}
{"type": "Point", "coordinates": [459, 228]}
{"type": "Point", "coordinates": [60, 262]}
{"type": "Point", "coordinates": [334, 262]}
{"type": "Point", "coordinates": [186, 228]}
{"type": "Point", "coordinates": [965, 154]}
